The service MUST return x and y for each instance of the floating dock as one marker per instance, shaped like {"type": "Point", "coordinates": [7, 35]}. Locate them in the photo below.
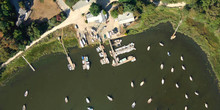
{"type": "Point", "coordinates": [125, 49]}
{"type": "Point", "coordinates": [124, 60]}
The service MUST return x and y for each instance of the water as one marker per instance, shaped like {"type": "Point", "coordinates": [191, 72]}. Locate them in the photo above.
{"type": "Point", "coordinates": [52, 81]}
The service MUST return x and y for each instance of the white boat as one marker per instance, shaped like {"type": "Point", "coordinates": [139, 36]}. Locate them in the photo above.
{"type": "Point", "coordinates": [87, 100]}
{"type": "Point", "coordinates": [70, 67]}
{"type": "Point", "coordinates": [168, 53]}
{"type": "Point", "coordinates": [161, 44]}
{"type": "Point", "coordinates": [90, 108]}
{"type": "Point", "coordinates": [109, 97]}
{"type": "Point", "coordinates": [132, 84]}
{"type": "Point", "coordinates": [196, 93]}
{"type": "Point", "coordinates": [183, 67]}
{"type": "Point", "coordinates": [206, 105]}
{"type": "Point", "coordinates": [24, 107]}
{"type": "Point", "coordinates": [26, 93]}
{"type": "Point", "coordinates": [172, 69]}
{"type": "Point", "coordinates": [186, 96]}
{"type": "Point", "coordinates": [142, 83]}
{"type": "Point", "coordinates": [186, 108]}
{"type": "Point", "coordinates": [133, 104]}
{"type": "Point", "coordinates": [177, 86]}
{"type": "Point", "coordinates": [161, 66]}
{"type": "Point", "coordinates": [162, 81]}
{"type": "Point", "coordinates": [66, 100]}
{"type": "Point", "coordinates": [149, 100]}
{"type": "Point", "coordinates": [181, 58]}
{"type": "Point", "coordinates": [190, 78]}
{"type": "Point", "coordinates": [148, 48]}
{"type": "Point", "coordinates": [98, 49]}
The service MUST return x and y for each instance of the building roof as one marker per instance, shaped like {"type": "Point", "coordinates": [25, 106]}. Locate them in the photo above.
{"type": "Point", "coordinates": [126, 17]}
{"type": "Point", "coordinates": [100, 18]}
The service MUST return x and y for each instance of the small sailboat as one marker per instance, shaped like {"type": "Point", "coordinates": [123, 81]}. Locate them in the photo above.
{"type": "Point", "coordinates": [26, 93]}
{"type": "Point", "coordinates": [109, 98]}
{"type": "Point", "coordinates": [186, 96]}
{"type": "Point", "coordinates": [196, 93]}
{"type": "Point", "coordinates": [148, 48]}
{"type": "Point", "coordinates": [133, 104]}
{"type": "Point", "coordinates": [162, 81]}
{"type": "Point", "coordinates": [24, 107]}
{"type": "Point", "coordinates": [161, 44]}
{"type": "Point", "coordinates": [142, 83]}
{"type": "Point", "coordinates": [181, 58]}
{"type": "Point", "coordinates": [183, 67]}
{"type": "Point", "coordinates": [172, 69]}
{"type": "Point", "coordinates": [149, 100]}
{"type": "Point", "coordinates": [132, 84]}
{"type": "Point", "coordinates": [186, 108]}
{"type": "Point", "coordinates": [206, 105]}
{"type": "Point", "coordinates": [168, 53]}
{"type": "Point", "coordinates": [177, 85]}
{"type": "Point", "coordinates": [161, 66]}
{"type": "Point", "coordinates": [66, 99]}
{"type": "Point", "coordinates": [190, 78]}
{"type": "Point", "coordinates": [90, 108]}
{"type": "Point", "coordinates": [87, 100]}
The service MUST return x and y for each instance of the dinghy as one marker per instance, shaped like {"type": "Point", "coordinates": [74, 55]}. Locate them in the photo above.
{"type": "Point", "coordinates": [132, 84]}
{"type": "Point", "coordinates": [183, 67]}
{"type": "Point", "coordinates": [161, 66]}
{"type": "Point", "coordinates": [87, 100]}
{"type": "Point", "coordinates": [109, 98]}
{"type": "Point", "coordinates": [142, 83]}
{"type": "Point", "coordinates": [162, 81]}
{"type": "Point", "coordinates": [133, 104]}
{"type": "Point", "coordinates": [148, 48]}
{"type": "Point", "coordinates": [26, 93]}
{"type": "Point", "coordinates": [149, 100]}
{"type": "Point", "coordinates": [172, 69]}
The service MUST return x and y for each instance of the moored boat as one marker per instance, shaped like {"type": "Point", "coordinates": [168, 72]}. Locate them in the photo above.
{"type": "Point", "coordinates": [186, 96]}
{"type": "Point", "coordinates": [206, 105]}
{"type": "Point", "coordinates": [168, 53]}
{"type": "Point", "coordinates": [87, 100]}
{"type": "Point", "coordinates": [186, 108]}
{"type": "Point", "coordinates": [90, 108]}
{"type": "Point", "coordinates": [172, 69]}
{"type": "Point", "coordinates": [66, 99]}
{"type": "Point", "coordinates": [196, 93]}
{"type": "Point", "coordinates": [24, 107]}
{"type": "Point", "coordinates": [26, 93]}
{"type": "Point", "coordinates": [161, 44]}
{"type": "Point", "coordinates": [162, 81]}
{"type": "Point", "coordinates": [142, 83]}
{"type": "Point", "coordinates": [181, 58]}
{"type": "Point", "coordinates": [133, 104]}
{"type": "Point", "coordinates": [110, 97]}
{"type": "Point", "coordinates": [177, 85]}
{"type": "Point", "coordinates": [148, 48]}
{"type": "Point", "coordinates": [183, 67]}
{"type": "Point", "coordinates": [190, 78]}
{"type": "Point", "coordinates": [132, 84]}
{"type": "Point", "coordinates": [149, 100]}
{"type": "Point", "coordinates": [161, 66]}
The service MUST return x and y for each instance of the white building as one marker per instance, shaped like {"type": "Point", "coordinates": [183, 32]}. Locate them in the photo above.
{"type": "Point", "coordinates": [125, 18]}
{"type": "Point", "coordinates": [98, 19]}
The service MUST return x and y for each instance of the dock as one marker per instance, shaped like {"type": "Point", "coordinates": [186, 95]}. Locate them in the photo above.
{"type": "Point", "coordinates": [28, 63]}
{"type": "Point", "coordinates": [113, 54]}
{"type": "Point", "coordinates": [174, 34]}
{"type": "Point", "coordinates": [105, 60]}
{"type": "Point", "coordinates": [125, 60]}
{"type": "Point", "coordinates": [125, 49]}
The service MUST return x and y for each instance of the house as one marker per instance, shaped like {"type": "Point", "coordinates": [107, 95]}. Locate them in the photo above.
{"type": "Point", "coordinates": [98, 19]}
{"type": "Point", "coordinates": [125, 18]}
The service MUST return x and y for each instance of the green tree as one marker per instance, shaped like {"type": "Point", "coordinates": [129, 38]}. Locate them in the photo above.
{"type": "Point", "coordinates": [114, 13]}
{"type": "Point", "coordinates": [95, 9]}
{"type": "Point", "coordinates": [120, 9]}
{"type": "Point", "coordinates": [128, 7]}
{"type": "Point", "coordinates": [124, 1]}
{"type": "Point", "coordinates": [17, 34]}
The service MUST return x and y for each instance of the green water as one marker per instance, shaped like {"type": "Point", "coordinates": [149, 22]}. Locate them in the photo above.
{"type": "Point", "coordinates": [52, 81]}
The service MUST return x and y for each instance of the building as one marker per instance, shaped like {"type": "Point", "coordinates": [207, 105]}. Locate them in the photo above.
{"type": "Point", "coordinates": [98, 19]}
{"type": "Point", "coordinates": [125, 18]}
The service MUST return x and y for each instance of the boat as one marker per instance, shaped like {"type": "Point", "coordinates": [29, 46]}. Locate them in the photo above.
{"type": "Point", "coordinates": [133, 104]}
{"type": "Point", "coordinates": [149, 100]}
{"type": "Point", "coordinates": [85, 62]}
{"type": "Point", "coordinates": [70, 67]}
{"type": "Point", "coordinates": [109, 97]}
{"type": "Point", "coordinates": [206, 105]}
{"type": "Point", "coordinates": [161, 66]}
{"type": "Point", "coordinates": [148, 48]}
{"type": "Point", "coordinates": [87, 100]}
{"type": "Point", "coordinates": [142, 83]}
{"type": "Point", "coordinates": [161, 44]}
{"type": "Point", "coordinates": [183, 67]}
{"type": "Point", "coordinates": [98, 49]}
{"type": "Point", "coordinates": [196, 93]}
{"type": "Point", "coordinates": [177, 86]}
{"type": "Point", "coordinates": [172, 69]}
{"type": "Point", "coordinates": [190, 78]}
{"type": "Point", "coordinates": [162, 81]}
{"type": "Point", "coordinates": [26, 93]}
{"type": "Point", "coordinates": [186, 96]}
{"type": "Point", "coordinates": [168, 53]}
{"type": "Point", "coordinates": [132, 84]}
{"type": "Point", "coordinates": [181, 58]}
{"type": "Point", "coordinates": [24, 107]}
{"type": "Point", "coordinates": [186, 108]}
{"type": "Point", "coordinates": [90, 108]}
{"type": "Point", "coordinates": [66, 99]}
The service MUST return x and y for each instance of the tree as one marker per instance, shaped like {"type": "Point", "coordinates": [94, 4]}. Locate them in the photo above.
{"type": "Point", "coordinates": [114, 13]}
{"type": "Point", "coordinates": [120, 9]}
{"type": "Point", "coordinates": [128, 7]}
{"type": "Point", "coordinates": [124, 1]}
{"type": "Point", "coordinates": [95, 9]}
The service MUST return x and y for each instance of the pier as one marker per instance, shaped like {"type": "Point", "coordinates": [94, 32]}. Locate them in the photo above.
{"type": "Point", "coordinates": [113, 54]}
{"type": "Point", "coordinates": [28, 63]}
{"type": "Point", "coordinates": [174, 34]}
{"type": "Point", "coordinates": [125, 60]}
{"type": "Point", "coordinates": [105, 60]}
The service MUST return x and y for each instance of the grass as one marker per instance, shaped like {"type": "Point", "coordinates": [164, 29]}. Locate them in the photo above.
{"type": "Point", "coordinates": [48, 46]}
{"type": "Point", "coordinates": [201, 33]}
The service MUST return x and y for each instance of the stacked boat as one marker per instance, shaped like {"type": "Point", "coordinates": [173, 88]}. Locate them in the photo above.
{"type": "Point", "coordinates": [85, 62]}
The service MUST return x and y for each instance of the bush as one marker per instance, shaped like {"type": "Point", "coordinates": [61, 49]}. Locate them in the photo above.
{"type": "Point", "coordinates": [104, 12]}
{"type": "Point", "coordinates": [95, 9]}
{"type": "Point", "coordinates": [114, 13]}
{"type": "Point", "coordinates": [120, 9]}
{"type": "Point", "coordinates": [128, 7]}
